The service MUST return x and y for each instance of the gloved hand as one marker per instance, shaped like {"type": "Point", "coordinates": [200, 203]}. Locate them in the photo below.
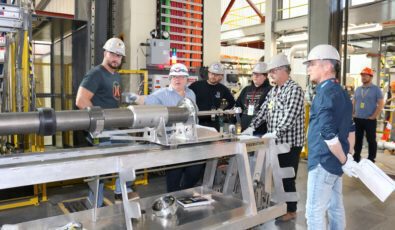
{"type": "Point", "coordinates": [129, 97]}
{"type": "Point", "coordinates": [350, 166]}
{"type": "Point", "coordinates": [249, 131]}
{"type": "Point", "coordinates": [269, 136]}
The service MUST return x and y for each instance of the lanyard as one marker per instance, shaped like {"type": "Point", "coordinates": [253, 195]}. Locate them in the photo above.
{"type": "Point", "coordinates": [252, 99]}
{"type": "Point", "coordinates": [363, 94]}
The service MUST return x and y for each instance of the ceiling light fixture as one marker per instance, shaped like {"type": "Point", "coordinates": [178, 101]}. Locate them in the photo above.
{"type": "Point", "coordinates": [365, 28]}
{"type": "Point", "coordinates": [293, 38]}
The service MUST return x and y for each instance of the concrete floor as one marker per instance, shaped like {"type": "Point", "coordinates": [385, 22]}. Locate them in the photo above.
{"type": "Point", "coordinates": [363, 209]}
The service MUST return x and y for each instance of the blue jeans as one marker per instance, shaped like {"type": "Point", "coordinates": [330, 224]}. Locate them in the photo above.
{"type": "Point", "coordinates": [324, 196]}
{"type": "Point", "coordinates": [101, 191]}
{"type": "Point", "coordinates": [101, 183]}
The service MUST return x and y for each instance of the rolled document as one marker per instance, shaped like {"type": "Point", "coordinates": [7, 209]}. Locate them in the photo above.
{"type": "Point", "coordinates": [375, 179]}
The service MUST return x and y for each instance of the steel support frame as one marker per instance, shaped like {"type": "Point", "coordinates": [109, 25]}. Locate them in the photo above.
{"type": "Point", "coordinates": [228, 8]}
{"type": "Point", "coordinates": [35, 168]}
{"type": "Point", "coordinates": [257, 11]}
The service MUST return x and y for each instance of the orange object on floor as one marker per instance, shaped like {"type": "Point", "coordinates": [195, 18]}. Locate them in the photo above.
{"type": "Point", "coordinates": [386, 132]}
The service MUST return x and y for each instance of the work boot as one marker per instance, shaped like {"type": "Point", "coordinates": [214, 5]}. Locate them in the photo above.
{"type": "Point", "coordinates": [287, 217]}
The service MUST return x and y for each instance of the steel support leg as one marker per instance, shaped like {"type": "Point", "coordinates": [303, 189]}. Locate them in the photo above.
{"type": "Point", "coordinates": [131, 209]}
{"type": "Point", "coordinates": [209, 173]}
{"type": "Point", "coordinates": [94, 187]}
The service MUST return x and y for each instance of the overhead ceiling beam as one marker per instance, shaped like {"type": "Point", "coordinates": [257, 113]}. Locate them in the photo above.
{"type": "Point", "coordinates": [257, 11]}
{"type": "Point", "coordinates": [227, 11]}
{"type": "Point", "coordinates": [42, 4]}
{"type": "Point", "coordinates": [357, 15]}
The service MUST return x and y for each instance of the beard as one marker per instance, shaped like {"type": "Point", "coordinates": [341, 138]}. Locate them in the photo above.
{"type": "Point", "coordinates": [114, 65]}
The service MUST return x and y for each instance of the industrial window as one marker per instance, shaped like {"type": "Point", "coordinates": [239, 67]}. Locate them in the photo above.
{"type": "Point", "coordinates": [291, 8]}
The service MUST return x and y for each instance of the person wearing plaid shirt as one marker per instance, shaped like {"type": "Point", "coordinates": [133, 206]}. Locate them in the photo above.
{"type": "Point", "coordinates": [284, 112]}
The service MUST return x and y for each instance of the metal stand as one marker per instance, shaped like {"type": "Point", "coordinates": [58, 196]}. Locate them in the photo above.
{"type": "Point", "coordinates": [131, 210]}
{"type": "Point", "coordinates": [227, 211]}
{"type": "Point", "coordinates": [94, 187]}
{"type": "Point", "coordinates": [267, 172]}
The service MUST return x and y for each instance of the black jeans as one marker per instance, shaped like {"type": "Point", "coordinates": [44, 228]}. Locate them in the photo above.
{"type": "Point", "coordinates": [189, 175]}
{"type": "Point", "coordinates": [290, 159]}
{"type": "Point", "coordinates": [362, 126]}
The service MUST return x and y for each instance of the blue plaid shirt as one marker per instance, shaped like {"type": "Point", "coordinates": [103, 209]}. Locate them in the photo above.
{"type": "Point", "coordinates": [168, 97]}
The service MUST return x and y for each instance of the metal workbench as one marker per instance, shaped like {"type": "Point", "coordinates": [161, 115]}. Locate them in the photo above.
{"type": "Point", "coordinates": [226, 212]}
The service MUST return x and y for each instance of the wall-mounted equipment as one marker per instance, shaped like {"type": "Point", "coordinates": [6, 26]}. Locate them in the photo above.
{"type": "Point", "coordinates": [158, 81]}
{"type": "Point", "coordinates": [10, 18]}
{"type": "Point", "coordinates": [158, 52]}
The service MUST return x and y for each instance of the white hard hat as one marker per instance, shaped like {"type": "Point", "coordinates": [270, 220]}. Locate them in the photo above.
{"type": "Point", "coordinates": [178, 69]}
{"type": "Point", "coordinates": [260, 67]}
{"type": "Point", "coordinates": [115, 45]}
{"type": "Point", "coordinates": [277, 61]}
{"type": "Point", "coordinates": [323, 52]}
{"type": "Point", "coordinates": [216, 68]}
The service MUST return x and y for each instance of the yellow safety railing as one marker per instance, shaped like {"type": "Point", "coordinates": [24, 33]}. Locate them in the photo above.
{"type": "Point", "coordinates": [143, 72]}
{"type": "Point", "coordinates": [32, 142]}
{"type": "Point", "coordinates": [289, 11]}
{"type": "Point", "coordinates": [243, 16]}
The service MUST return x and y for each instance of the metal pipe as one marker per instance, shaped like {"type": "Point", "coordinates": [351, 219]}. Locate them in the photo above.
{"type": "Point", "coordinates": [148, 116]}
{"type": "Point", "coordinates": [19, 123]}
{"type": "Point", "coordinates": [177, 114]}
{"type": "Point", "coordinates": [72, 120]}
{"type": "Point", "coordinates": [47, 121]}
{"type": "Point", "coordinates": [118, 118]}
{"type": "Point", "coordinates": [216, 112]}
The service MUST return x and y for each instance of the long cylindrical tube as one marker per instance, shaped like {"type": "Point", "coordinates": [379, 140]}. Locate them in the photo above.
{"type": "Point", "coordinates": [72, 120]}
{"type": "Point", "coordinates": [118, 118]}
{"type": "Point", "coordinates": [148, 116]}
{"type": "Point", "coordinates": [47, 121]}
{"type": "Point", "coordinates": [19, 123]}
{"type": "Point", "coordinates": [177, 114]}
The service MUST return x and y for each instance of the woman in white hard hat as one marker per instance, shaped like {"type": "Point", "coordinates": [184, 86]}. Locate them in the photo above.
{"type": "Point", "coordinates": [185, 177]}
{"type": "Point", "coordinates": [252, 97]}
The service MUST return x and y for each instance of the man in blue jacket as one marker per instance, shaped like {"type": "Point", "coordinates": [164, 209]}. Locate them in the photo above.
{"type": "Point", "coordinates": [331, 136]}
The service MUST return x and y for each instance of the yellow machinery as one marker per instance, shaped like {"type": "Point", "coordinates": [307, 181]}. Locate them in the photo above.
{"type": "Point", "coordinates": [144, 179]}
{"type": "Point", "coordinates": [143, 72]}
{"type": "Point", "coordinates": [304, 154]}
{"type": "Point", "coordinates": [32, 142]}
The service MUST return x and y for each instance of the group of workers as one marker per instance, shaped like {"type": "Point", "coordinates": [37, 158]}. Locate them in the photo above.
{"type": "Point", "coordinates": [273, 109]}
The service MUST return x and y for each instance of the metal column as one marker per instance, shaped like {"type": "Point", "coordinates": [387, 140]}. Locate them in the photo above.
{"type": "Point", "coordinates": [320, 31]}
{"type": "Point", "coordinates": [270, 37]}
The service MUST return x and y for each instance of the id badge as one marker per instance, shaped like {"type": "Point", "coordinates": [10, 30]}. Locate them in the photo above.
{"type": "Point", "coordinates": [271, 105]}
{"type": "Point", "coordinates": [250, 110]}
{"type": "Point", "coordinates": [362, 105]}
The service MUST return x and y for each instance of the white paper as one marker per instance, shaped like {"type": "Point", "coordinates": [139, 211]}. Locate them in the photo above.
{"type": "Point", "coordinates": [375, 179]}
